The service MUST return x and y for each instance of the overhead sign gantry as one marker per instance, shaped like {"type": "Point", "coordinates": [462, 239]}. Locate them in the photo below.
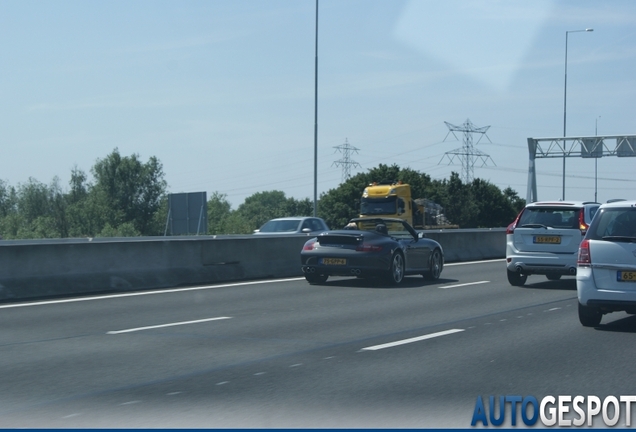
{"type": "Point", "coordinates": [575, 147]}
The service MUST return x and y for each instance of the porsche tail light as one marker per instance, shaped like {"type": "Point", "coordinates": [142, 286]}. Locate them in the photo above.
{"type": "Point", "coordinates": [368, 248]}
{"type": "Point", "coordinates": [584, 258]}
{"type": "Point", "coordinates": [310, 245]}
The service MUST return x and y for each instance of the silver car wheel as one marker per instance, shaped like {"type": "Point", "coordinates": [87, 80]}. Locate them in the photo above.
{"type": "Point", "coordinates": [589, 316]}
{"type": "Point", "coordinates": [516, 278]}
{"type": "Point", "coordinates": [397, 269]}
{"type": "Point", "coordinates": [436, 267]}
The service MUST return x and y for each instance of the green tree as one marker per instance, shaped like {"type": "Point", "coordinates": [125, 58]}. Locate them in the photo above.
{"type": "Point", "coordinates": [33, 200]}
{"type": "Point", "coordinates": [85, 215]}
{"type": "Point", "coordinates": [493, 207]}
{"type": "Point", "coordinates": [515, 201]}
{"type": "Point", "coordinates": [236, 224]}
{"type": "Point", "coordinates": [337, 206]}
{"type": "Point", "coordinates": [41, 211]}
{"type": "Point", "coordinates": [8, 199]}
{"type": "Point", "coordinates": [127, 229]}
{"type": "Point", "coordinates": [219, 211]}
{"type": "Point", "coordinates": [128, 190]}
{"type": "Point", "coordinates": [263, 206]}
{"type": "Point", "coordinates": [460, 208]}
{"type": "Point", "coordinates": [9, 220]}
{"type": "Point", "coordinates": [304, 207]}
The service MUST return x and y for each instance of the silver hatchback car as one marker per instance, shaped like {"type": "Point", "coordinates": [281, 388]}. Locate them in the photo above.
{"type": "Point", "coordinates": [606, 275]}
{"type": "Point", "coordinates": [293, 225]}
{"type": "Point", "coordinates": [544, 239]}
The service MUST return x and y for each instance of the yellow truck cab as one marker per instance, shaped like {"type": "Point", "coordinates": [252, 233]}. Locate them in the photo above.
{"type": "Point", "coordinates": [391, 199]}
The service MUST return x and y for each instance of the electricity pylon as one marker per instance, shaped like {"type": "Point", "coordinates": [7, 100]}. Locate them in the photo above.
{"type": "Point", "coordinates": [468, 154]}
{"type": "Point", "coordinates": [346, 161]}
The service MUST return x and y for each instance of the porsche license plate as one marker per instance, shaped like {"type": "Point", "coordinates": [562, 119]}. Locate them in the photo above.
{"type": "Point", "coordinates": [547, 239]}
{"type": "Point", "coordinates": [626, 276]}
{"type": "Point", "coordinates": [334, 261]}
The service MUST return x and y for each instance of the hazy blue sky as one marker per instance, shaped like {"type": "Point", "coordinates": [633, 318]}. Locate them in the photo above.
{"type": "Point", "coordinates": [222, 92]}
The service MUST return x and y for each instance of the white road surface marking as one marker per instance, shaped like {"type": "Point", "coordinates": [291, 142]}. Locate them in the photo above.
{"type": "Point", "coordinates": [143, 293]}
{"type": "Point", "coordinates": [463, 285]}
{"type": "Point", "coordinates": [472, 262]}
{"type": "Point", "coordinates": [411, 340]}
{"type": "Point", "coordinates": [174, 290]}
{"type": "Point", "coordinates": [166, 325]}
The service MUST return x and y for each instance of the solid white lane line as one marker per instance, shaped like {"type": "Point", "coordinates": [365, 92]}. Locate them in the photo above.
{"type": "Point", "coordinates": [175, 290]}
{"type": "Point", "coordinates": [143, 293]}
{"type": "Point", "coordinates": [472, 262]}
{"type": "Point", "coordinates": [411, 340]}
{"type": "Point", "coordinates": [167, 325]}
{"type": "Point", "coordinates": [462, 285]}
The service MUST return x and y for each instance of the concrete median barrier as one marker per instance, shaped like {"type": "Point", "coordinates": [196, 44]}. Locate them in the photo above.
{"type": "Point", "coordinates": [49, 268]}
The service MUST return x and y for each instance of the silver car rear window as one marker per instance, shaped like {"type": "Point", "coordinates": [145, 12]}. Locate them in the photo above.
{"type": "Point", "coordinates": [613, 222]}
{"type": "Point", "coordinates": [550, 217]}
{"type": "Point", "coordinates": [280, 226]}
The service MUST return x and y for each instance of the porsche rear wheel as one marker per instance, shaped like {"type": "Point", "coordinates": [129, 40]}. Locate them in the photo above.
{"type": "Point", "coordinates": [436, 266]}
{"type": "Point", "coordinates": [396, 271]}
{"type": "Point", "coordinates": [314, 278]}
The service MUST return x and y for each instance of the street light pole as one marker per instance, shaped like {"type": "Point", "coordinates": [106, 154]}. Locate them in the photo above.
{"type": "Point", "coordinates": [316, 120]}
{"type": "Point", "coordinates": [565, 99]}
{"type": "Point", "coordinates": [596, 161]}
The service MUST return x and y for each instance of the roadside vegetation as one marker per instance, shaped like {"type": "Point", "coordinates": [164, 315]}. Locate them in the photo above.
{"type": "Point", "coordinates": [128, 197]}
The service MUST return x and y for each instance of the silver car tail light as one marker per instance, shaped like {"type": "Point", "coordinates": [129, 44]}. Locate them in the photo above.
{"type": "Point", "coordinates": [582, 225]}
{"type": "Point", "coordinates": [513, 225]}
{"type": "Point", "coordinates": [584, 258]}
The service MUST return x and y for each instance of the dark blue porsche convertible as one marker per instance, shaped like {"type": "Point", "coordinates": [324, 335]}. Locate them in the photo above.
{"type": "Point", "coordinates": [372, 247]}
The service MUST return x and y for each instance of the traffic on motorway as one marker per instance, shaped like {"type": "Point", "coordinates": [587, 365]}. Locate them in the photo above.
{"type": "Point", "coordinates": [283, 353]}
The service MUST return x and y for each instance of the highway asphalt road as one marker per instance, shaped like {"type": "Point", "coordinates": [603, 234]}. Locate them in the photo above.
{"type": "Point", "coordinates": [352, 353]}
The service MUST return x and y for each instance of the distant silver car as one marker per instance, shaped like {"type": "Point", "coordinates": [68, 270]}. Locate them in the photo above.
{"type": "Point", "coordinates": [293, 225]}
{"type": "Point", "coordinates": [544, 239]}
{"type": "Point", "coordinates": [606, 275]}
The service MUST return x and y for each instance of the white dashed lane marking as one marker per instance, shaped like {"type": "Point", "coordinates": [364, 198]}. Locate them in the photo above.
{"type": "Point", "coordinates": [166, 325]}
{"type": "Point", "coordinates": [462, 285]}
{"type": "Point", "coordinates": [411, 340]}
